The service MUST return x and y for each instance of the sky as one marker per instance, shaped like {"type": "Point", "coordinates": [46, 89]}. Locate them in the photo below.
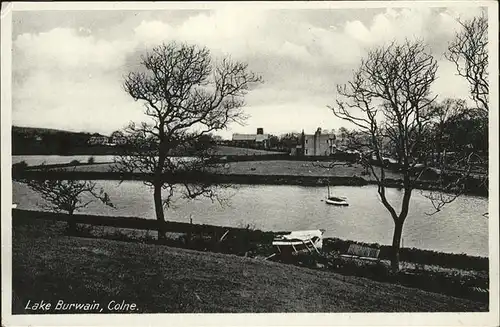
{"type": "Point", "coordinates": [68, 66]}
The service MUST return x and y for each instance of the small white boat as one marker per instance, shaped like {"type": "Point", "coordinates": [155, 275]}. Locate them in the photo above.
{"type": "Point", "coordinates": [337, 201]}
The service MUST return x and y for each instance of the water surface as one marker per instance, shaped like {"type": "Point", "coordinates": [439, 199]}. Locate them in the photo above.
{"type": "Point", "coordinates": [459, 228]}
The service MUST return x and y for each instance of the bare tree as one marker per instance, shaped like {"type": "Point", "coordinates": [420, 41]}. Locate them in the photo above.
{"type": "Point", "coordinates": [469, 52]}
{"type": "Point", "coordinates": [186, 95]}
{"type": "Point", "coordinates": [67, 195]}
{"type": "Point", "coordinates": [388, 98]}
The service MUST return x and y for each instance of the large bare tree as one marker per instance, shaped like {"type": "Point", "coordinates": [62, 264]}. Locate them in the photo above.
{"type": "Point", "coordinates": [388, 99]}
{"type": "Point", "coordinates": [186, 95]}
{"type": "Point", "coordinates": [469, 52]}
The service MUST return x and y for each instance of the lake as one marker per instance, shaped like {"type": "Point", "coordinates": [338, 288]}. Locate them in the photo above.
{"type": "Point", "coordinates": [459, 228]}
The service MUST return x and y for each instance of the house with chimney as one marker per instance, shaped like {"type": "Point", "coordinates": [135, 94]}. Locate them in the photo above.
{"type": "Point", "coordinates": [258, 140]}
{"type": "Point", "coordinates": [317, 144]}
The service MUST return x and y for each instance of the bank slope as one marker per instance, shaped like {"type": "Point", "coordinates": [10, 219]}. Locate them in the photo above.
{"type": "Point", "coordinates": [162, 279]}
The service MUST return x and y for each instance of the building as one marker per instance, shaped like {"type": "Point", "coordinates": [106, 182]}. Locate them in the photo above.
{"type": "Point", "coordinates": [98, 139]}
{"type": "Point", "coordinates": [259, 140]}
{"type": "Point", "coordinates": [318, 144]}
{"type": "Point", "coordinates": [117, 138]}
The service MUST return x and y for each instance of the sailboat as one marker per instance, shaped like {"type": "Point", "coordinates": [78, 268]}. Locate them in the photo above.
{"type": "Point", "coordinates": [336, 200]}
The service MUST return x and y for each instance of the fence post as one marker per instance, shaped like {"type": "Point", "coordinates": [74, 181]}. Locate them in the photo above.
{"type": "Point", "coordinates": [189, 234]}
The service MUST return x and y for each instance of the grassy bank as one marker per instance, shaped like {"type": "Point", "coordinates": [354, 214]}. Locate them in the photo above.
{"type": "Point", "coordinates": [38, 149]}
{"type": "Point", "coordinates": [270, 172]}
{"type": "Point", "coordinates": [453, 274]}
{"type": "Point", "coordinates": [51, 266]}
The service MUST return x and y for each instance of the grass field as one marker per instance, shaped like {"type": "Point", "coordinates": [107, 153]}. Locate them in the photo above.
{"type": "Point", "coordinates": [223, 150]}
{"type": "Point", "coordinates": [271, 167]}
{"type": "Point", "coordinates": [298, 168]}
{"type": "Point", "coordinates": [52, 267]}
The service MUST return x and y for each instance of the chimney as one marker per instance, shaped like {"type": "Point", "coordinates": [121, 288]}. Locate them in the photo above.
{"type": "Point", "coordinates": [260, 131]}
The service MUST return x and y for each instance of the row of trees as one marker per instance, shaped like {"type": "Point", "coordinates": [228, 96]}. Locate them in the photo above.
{"type": "Point", "coordinates": [187, 95]}
{"type": "Point", "coordinates": [31, 141]}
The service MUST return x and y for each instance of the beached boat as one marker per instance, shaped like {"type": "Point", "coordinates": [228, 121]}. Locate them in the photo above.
{"type": "Point", "coordinates": [299, 241]}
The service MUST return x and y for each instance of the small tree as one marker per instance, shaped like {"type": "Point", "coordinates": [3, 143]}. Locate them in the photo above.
{"type": "Point", "coordinates": [117, 134]}
{"type": "Point", "coordinates": [443, 113]}
{"type": "Point", "coordinates": [68, 195]}
{"type": "Point", "coordinates": [186, 95]}
{"type": "Point", "coordinates": [274, 142]}
{"type": "Point", "coordinates": [469, 52]}
{"type": "Point", "coordinates": [460, 139]}
{"type": "Point", "coordinates": [388, 98]}
{"type": "Point", "coordinates": [289, 140]}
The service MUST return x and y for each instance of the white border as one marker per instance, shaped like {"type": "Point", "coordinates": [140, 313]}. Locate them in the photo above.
{"type": "Point", "coordinates": [373, 319]}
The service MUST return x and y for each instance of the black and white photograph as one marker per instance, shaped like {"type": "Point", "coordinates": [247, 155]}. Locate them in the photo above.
{"type": "Point", "coordinates": [261, 163]}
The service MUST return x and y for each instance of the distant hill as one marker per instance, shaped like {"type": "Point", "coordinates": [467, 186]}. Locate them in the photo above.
{"type": "Point", "coordinates": [36, 140]}
{"type": "Point", "coordinates": [48, 141]}
{"type": "Point", "coordinates": [42, 131]}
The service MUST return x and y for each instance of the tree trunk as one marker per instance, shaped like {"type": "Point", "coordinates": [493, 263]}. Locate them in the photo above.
{"type": "Point", "coordinates": [396, 242]}
{"type": "Point", "coordinates": [71, 224]}
{"type": "Point", "coordinates": [160, 216]}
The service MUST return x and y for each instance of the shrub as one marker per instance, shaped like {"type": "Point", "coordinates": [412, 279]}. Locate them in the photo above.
{"type": "Point", "coordinates": [91, 160]}
{"type": "Point", "coordinates": [84, 230]}
{"type": "Point", "coordinates": [419, 256]}
{"type": "Point", "coordinates": [74, 162]}
{"type": "Point", "coordinates": [20, 166]}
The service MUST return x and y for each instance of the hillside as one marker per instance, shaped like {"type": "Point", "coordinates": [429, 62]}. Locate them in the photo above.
{"type": "Point", "coordinates": [163, 279]}
{"type": "Point", "coordinates": [40, 130]}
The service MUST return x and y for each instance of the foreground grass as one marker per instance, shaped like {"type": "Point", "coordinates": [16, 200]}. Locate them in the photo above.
{"type": "Point", "coordinates": [49, 266]}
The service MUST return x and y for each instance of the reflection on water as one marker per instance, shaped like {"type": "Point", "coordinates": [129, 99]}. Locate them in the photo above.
{"type": "Point", "coordinates": [459, 227]}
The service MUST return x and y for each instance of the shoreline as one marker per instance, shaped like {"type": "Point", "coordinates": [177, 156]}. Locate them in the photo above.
{"type": "Point", "coordinates": [251, 235]}
{"type": "Point", "coordinates": [249, 179]}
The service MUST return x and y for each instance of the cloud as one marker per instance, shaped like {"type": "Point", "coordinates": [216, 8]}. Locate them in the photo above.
{"type": "Point", "coordinates": [358, 30]}
{"type": "Point", "coordinates": [71, 77]}
{"type": "Point", "coordinates": [153, 32]}
{"type": "Point", "coordinates": [66, 79]}
{"type": "Point", "coordinates": [64, 47]}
